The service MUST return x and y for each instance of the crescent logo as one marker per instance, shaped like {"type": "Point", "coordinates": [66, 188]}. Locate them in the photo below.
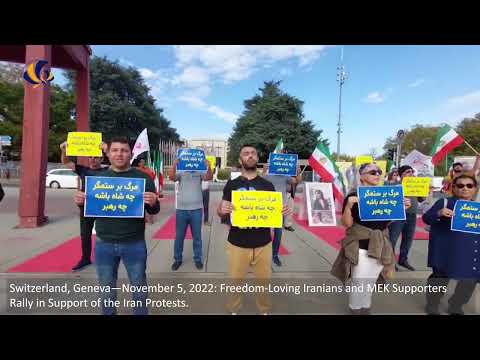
{"type": "Point", "coordinates": [37, 73]}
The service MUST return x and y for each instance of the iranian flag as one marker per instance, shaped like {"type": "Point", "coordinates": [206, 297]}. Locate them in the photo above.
{"type": "Point", "coordinates": [279, 147]}
{"type": "Point", "coordinates": [323, 164]}
{"type": "Point", "coordinates": [447, 140]}
{"type": "Point", "coordinates": [157, 166]}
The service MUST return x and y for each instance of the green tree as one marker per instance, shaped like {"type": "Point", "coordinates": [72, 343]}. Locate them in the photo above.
{"type": "Point", "coordinates": [269, 116]}
{"type": "Point", "coordinates": [343, 157]}
{"type": "Point", "coordinates": [11, 113]}
{"type": "Point", "coordinates": [121, 105]}
{"type": "Point", "coordinates": [419, 137]}
{"type": "Point", "coordinates": [469, 129]}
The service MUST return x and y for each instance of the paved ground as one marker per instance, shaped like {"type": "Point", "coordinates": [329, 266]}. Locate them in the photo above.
{"type": "Point", "coordinates": [309, 262]}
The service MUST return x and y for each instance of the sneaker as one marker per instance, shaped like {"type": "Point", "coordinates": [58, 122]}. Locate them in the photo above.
{"type": "Point", "coordinates": [81, 264]}
{"type": "Point", "coordinates": [276, 261]}
{"type": "Point", "coordinates": [289, 228]}
{"type": "Point", "coordinates": [199, 265]}
{"type": "Point", "coordinates": [406, 265]}
{"type": "Point", "coordinates": [176, 265]}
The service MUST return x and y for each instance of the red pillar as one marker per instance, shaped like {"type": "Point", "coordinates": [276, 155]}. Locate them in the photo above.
{"type": "Point", "coordinates": [83, 103]}
{"type": "Point", "coordinates": [36, 114]}
{"type": "Point", "coordinates": [83, 93]}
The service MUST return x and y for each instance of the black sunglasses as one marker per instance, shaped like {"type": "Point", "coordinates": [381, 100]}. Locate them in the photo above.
{"type": "Point", "coordinates": [374, 172]}
{"type": "Point", "coordinates": [457, 171]}
{"type": "Point", "coordinates": [461, 186]}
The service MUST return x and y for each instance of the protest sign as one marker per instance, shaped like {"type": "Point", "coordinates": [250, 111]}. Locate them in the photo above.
{"type": "Point", "coordinates": [258, 209]}
{"type": "Point", "coordinates": [381, 203]}
{"type": "Point", "coordinates": [114, 197]}
{"type": "Point", "coordinates": [213, 161]}
{"type": "Point", "coordinates": [466, 217]}
{"type": "Point", "coordinates": [468, 162]}
{"type": "Point", "coordinates": [320, 204]}
{"type": "Point", "coordinates": [421, 163]}
{"type": "Point", "coordinates": [282, 164]}
{"type": "Point", "coordinates": [416, 186]}
{"type": "Point", "coordinates": [363, 159]}
{"type": "Point", "coordinates": [382, 164]}
{"type": "Point", "coordinates": [191, 160]}
{"type": "Point", "coordinates": [84, 144]}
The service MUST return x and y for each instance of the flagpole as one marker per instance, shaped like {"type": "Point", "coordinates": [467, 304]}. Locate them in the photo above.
{"type": "Point", "coordinates": [471, 147]}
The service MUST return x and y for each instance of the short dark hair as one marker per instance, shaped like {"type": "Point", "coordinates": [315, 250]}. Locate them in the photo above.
{"type": "Point", "coordinates": [247, 145]}
{"type": "Point", "coordinates": [457, 164]}
{"type": "Point", "coordinates": [404, 168]}
{"type": "Point", "coordinates": [118, 139]}
{"type": "Point", "coordinates": [465, 176]}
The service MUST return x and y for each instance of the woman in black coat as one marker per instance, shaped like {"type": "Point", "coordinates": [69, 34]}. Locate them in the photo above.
{"type": "Point", "coordinates": [452, 254]}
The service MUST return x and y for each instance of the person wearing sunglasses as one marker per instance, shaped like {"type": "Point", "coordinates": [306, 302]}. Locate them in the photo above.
{"type": "Point", "coordinates": [86, 223]}
{"type": "Point", "coordinates": [452, 254]}
{"type": "Point", "coordinates": [457, 170]}
{"type": "Point", "coordinates": [366, 252]}
{"type": "Point", "coordinates": [405, 227]}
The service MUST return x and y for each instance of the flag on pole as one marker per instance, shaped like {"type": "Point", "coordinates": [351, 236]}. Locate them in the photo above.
{"type": "Point", "coordinates": [141, 145]}
{"type": "Point", "coordinates": [279, 147]}
{"type": "Point", "coordinates": [157, 166]}
{"type": "Point", "coordinates": [323, 164]}
{"type": "Point", "coordinates": [447, 140]}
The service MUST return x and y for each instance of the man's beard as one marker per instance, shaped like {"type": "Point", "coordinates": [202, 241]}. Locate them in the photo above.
{"type": "Point", "coordinates": [249, 168]}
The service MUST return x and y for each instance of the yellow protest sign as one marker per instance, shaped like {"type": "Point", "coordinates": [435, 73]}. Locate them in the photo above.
{"type": "Point", "coordinates": [84, 144]}
{"type": "Point", "coordinates": [259, 209]}
{"type": "Point", "coordinates": [382, 164]}
{"type": "Point", "coordinates": [416, 186]}
{"type": "Point", "coordinates": [212, 160]}
{"type": "Point", "coordinates": [363, 159]}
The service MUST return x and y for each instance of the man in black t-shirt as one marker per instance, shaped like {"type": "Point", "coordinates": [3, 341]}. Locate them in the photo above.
{"type": "Point", "coordinates": [86, 223]}
{"type": "Point", "coordinates": [248, 246]}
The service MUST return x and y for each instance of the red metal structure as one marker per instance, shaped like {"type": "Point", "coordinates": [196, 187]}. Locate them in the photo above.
{"type": "Point", "coordinates": [36, 114]}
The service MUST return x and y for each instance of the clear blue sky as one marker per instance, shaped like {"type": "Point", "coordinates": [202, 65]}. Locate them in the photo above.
{"type": "Point", "coordinates": [202, 88]}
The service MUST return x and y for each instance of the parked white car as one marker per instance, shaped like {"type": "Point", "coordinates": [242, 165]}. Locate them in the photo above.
{"type": "Point", "coordinates": [61, 178]}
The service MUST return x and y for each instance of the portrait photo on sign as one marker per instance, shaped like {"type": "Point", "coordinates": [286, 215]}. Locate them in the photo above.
{"type": "Point", "coordinates": [320, 204]}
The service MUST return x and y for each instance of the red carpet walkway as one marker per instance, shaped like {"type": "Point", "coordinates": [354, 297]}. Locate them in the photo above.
{"type": "Point", "coordinates": [59, 259]}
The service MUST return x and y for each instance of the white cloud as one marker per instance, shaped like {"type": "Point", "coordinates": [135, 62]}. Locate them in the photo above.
{"type": "Point", "coordinates": [470, 99]}
{"type": "Point", "coordinates": [192, 76]}
{"type": "Point", "coordinates": [222, 114]}
{"type": "Point", "coordinates": [159, 82]}
{"type": "Point", "coordinates": [416, 83]}
{"type": "Point", "coordinates": [375, 98]}
{"type": "Point", "coordinates": [232, 63]}
{"type": "Point", "coordinates": [199, 67]}
{"type": "Point", "coordinates": [199, 104]}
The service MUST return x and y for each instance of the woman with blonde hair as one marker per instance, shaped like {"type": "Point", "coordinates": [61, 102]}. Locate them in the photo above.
{"type": "Point", "coordinates": [366, 252]}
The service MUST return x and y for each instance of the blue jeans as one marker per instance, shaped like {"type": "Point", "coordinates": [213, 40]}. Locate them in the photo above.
{"type": "Point", "coordinates": [107, 260]}
{"type": "Point", "coordinates": [183, 219]}
{"type": "Point", "coordinates": [407, 229]}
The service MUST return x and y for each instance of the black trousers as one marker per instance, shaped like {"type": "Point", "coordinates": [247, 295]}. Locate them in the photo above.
{"type": "Point", "coordinates": [206, 201]}
{"type": "Point", "coordinates": [462, 294]}
{"type": "Point", "coordinates": [86, 227]}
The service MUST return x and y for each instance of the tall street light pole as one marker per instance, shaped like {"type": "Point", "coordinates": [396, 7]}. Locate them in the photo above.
{"type": "Point", "coordinates": [341, 77]}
